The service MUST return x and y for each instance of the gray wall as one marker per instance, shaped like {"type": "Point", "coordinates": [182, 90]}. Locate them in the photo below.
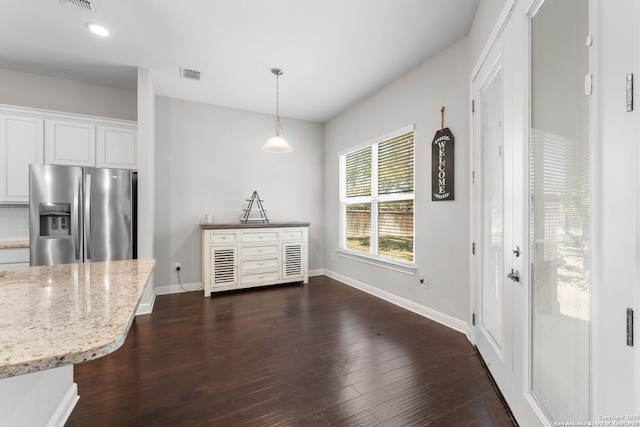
{"type": "Point", "coordinates": [69, 96]}
{"type": "Point", "coordinates": [442, 228]}
{"type": "Point", "coordinates": [208, 160]}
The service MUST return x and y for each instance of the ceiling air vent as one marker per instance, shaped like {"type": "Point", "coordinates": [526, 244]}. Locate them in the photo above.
{"type": "Point", "coordinates": [189, 74]}
{"type": "Point", "coordinates": [81, 4]}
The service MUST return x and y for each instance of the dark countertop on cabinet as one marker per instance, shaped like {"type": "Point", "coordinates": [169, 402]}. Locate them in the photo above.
{"type": "Point", "coordinates": [222, 226]}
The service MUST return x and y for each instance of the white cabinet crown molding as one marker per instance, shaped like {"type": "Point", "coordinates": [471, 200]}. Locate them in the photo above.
{"type": "Point", "coordinates": [59, 115]}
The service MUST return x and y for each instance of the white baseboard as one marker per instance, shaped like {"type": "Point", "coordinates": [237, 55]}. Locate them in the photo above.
{"type": "Point", "coordinates": [147, 308]}
{"type": "Point", "coordinates": [444, 319]}
{"type": "Point", "coordinates": [318, 272]}
{"type": "Point", "coordinates": [188, 287]}
{"type": "Point", "coordinates": [176, 289]}
{"type": "Point", "coordinates": [64, 409]}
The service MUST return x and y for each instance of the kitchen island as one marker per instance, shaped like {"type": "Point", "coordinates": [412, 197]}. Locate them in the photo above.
{"type": "Point", "coordinates": [52, 317]}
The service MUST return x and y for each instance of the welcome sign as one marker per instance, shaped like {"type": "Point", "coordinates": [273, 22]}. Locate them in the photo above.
{"type": "Point", "coordinates": [442, 165]}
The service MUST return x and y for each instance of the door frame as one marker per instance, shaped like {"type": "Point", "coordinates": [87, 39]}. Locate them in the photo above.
{"type": "Point", "coordinates": [615, 252]}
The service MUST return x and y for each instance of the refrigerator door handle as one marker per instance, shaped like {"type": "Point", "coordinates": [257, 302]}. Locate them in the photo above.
{"type": "Point", "coordinates": [75, 224]}
{"type": "Point", "coordinates": [87, 217]}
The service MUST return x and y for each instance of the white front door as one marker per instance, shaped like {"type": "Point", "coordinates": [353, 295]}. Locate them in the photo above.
{"type": "Point", "coordinates": [492, 218]}
{"type": "Point", "coordinates": [500, 281]}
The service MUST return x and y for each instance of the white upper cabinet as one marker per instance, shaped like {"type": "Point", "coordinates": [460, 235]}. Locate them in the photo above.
{"type": "Point", "coordinates": [70, 143]}
{"type": "Point", "coordinates": [21, 144]}
{"type": "Point", "coordinates": [116, 147]}
{"type": "Point", "coordinates": [32, 136]}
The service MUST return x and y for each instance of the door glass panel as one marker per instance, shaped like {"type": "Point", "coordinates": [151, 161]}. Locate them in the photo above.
{"type": "Point", "coordinates": [492, 207]}
{"type": "Point", "coordinates": [560, 210]}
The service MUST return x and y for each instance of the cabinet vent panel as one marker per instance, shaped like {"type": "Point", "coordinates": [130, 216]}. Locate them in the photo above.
{"type": "Point", "coordinates": [224, 269]}
{"type": "Point", "coordinates": [293, 260]}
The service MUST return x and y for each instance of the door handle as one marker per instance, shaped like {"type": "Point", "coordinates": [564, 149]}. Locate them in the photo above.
{"type": "Point", "coordinates": [75, 223]}
{"type": "Point", "coordinates": [87, 217]}
{"type": "Point", "coordinates": [514, 275]}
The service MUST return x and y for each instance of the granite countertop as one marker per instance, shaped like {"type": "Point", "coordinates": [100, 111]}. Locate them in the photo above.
{"type": "Point", "coordinates": [13, 244]}
{"type": "Point", "coordinates": [215, 226]}
{"type": "Point", "coordinates": [58, 315]}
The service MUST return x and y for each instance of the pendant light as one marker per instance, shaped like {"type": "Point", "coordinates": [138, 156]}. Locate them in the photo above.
{"type": "Point", "coordinates": [277, 144]}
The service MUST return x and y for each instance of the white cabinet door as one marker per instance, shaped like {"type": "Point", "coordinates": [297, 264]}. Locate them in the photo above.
{"type": "Point", "coordinates": [224, 266]}
{"type": "Point", "coordinates": [69, 143]}
{"type": "Point", "coordinates": [21, 144]}
{"type": "Point", "coordinates": [116, 147]}
{"type": "Point", "coordinates": [294, 261]}
{"type": "Point", "coordinates": [12, 258]}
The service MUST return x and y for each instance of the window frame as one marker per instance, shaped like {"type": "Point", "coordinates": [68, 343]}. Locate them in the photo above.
{"type": "Point", "coordinates": [401, 266]}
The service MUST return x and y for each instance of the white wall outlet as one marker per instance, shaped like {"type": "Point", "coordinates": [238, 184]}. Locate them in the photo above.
{"type": "Point", "coordinates": [423, 281]}
{"type": "Point", "coordinates": [178, 266]}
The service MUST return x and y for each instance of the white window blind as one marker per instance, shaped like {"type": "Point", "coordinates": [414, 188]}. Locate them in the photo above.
{"type": "Point", "coordinates": [377, 198]}
{"type": "Point", "coordinates": [395, 165]}
{"type": "Point", "coordinates": [359, 173]}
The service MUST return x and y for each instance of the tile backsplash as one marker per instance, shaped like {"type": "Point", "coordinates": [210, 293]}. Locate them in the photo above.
{"type": "Point", "coordinates": [14, 222]}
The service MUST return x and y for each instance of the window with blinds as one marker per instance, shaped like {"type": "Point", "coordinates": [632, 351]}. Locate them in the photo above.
{"type": "Point", "coordinates": [377, 193]}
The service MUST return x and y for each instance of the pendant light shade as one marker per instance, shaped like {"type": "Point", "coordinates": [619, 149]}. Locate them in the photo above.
{"type": "Point", "coordinates": [277, 144]}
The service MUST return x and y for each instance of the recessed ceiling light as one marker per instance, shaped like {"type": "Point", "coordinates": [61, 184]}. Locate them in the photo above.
{"type": "Point", "coordinates": [98, 29]}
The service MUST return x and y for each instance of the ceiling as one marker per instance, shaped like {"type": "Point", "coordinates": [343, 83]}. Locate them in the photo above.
{"type": "Point", "coordinates": [333, 53]}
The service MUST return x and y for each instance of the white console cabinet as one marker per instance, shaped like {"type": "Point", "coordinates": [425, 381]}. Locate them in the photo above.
{"type": "Point", "coordinates": [238, 256]}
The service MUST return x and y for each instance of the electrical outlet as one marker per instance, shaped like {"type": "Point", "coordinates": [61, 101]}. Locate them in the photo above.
{"type": "Point", "coordinates": [178, 266]}
{"type": "Point", "coordinates": [423, 282]}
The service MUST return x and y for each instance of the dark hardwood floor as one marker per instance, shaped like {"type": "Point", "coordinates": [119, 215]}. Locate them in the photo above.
{"type": "Point", "coordinates": [301, 355]}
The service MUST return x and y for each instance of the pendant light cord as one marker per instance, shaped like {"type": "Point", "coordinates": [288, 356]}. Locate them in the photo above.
{"type": "Point", "coordinates": [277, 72]}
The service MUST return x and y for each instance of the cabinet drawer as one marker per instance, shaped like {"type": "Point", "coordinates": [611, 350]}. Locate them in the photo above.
{"type": "Point", "coordinates": [14, 256]}
{"type": "Point", "coordinates": [258, 251]}
{"type": "Point", "coordinates": [259, 236]}
{"type": "Point", "coordinates": [259, 264]}
{"type": "Point", "coordinates": [257, 278]}
{"type": "Point", "coordinates": [221, 237]}
{"type": "Point", "coordinates": [293, 234]}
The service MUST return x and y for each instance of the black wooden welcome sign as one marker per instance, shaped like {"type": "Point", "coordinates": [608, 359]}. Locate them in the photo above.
{"type": "Point", "coordinates": [442, 165]}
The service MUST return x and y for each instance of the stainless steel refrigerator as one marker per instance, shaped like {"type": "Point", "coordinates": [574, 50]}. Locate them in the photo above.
{"type": "Point", "coordinates": [79, 214]}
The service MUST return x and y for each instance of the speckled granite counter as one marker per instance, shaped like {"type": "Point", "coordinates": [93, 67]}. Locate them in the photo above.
{"type": "Point", "coordinates": [65, 314]}
{"type": "Point", "coordinates": [13, 244]}
{"type": "Point", "coordinates": [215, 226]}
